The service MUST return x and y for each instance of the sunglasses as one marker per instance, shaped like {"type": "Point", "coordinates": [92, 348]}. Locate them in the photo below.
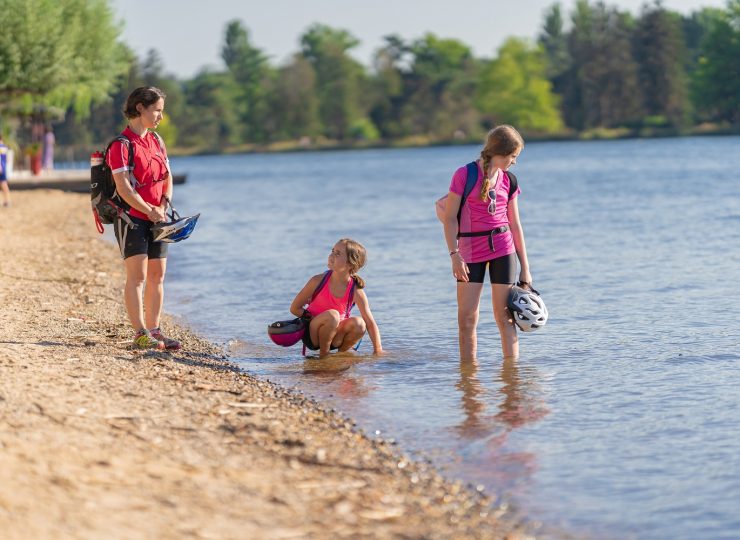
{"type": "Point", "coordinates": [492, 196]}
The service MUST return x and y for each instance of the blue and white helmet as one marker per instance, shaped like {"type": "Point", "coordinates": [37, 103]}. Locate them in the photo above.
{"type": "Point", "coordinates": [175, 230]}
{"type": "Point", "coordinates": [527, 308]}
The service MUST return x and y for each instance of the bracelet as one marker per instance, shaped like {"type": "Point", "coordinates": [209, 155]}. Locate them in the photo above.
{"type": "Point", "coordinates": [453, 252]}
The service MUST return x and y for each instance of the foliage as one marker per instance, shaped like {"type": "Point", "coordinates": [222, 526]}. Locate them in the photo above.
{"type": "Point", "coordinates": [660, 51]}
{"type": "Point", "coordinates": [49, 57]}
{"type": "Point", "coordinates": [248, 66]}
{"type": "Point", "coordinates": [514, 90]}
{"type": "Point", "coordinates": [716, 81]}
{"type": "Point", "coordinates": [337, 77]}
{"type": "Point", "coordinates": [597, 71]}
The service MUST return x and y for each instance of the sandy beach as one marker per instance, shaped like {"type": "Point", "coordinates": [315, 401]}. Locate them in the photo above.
{"type": "Point", "coordinates": [98, 440]}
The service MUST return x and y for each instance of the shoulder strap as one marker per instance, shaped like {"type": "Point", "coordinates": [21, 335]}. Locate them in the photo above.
{"type": "Point", "coordinates": [471, 178]}
{"type": "Point", "coordinates": [351, 299]}
{"type": "Point", "coordinates": [513, 183]}
{"type": "Point", "coordinates": [160, 141]}
{"type": "Point", "coordinates": [321, 284]}
{"type": "Point", "coordinates": [123, 140]}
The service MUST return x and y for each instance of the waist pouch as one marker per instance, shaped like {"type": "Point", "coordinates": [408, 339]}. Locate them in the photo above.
{"type": "Point", "coordinates": [490, 234]}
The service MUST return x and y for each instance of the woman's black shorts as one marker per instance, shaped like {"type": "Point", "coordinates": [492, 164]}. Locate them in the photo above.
{"type": "Point", "coordinates": [138, 240]}
{"type": "Point", "coordinates": [501, 269]}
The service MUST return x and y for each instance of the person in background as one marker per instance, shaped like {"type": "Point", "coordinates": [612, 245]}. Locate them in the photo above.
{"type": "Point", "coordinates": [4, 154]}
{"type": "Point", "coordinates": [489, 236]}
{"type": "Point", "coordinates": [147, 188]}
{"type": "Point", "coordinates": [47, 159]}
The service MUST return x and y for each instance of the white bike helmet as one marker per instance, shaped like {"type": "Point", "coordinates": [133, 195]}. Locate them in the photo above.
{"type": "Point", "coordinates": [527, 308]}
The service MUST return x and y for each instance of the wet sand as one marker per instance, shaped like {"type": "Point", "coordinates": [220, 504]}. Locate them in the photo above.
{"type": "Point", "coordinates": [98, 440]}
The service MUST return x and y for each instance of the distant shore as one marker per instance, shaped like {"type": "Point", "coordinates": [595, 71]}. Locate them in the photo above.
{"type": "Point", "coordinates": [319, 145]}
{"type": "Point", "coordinates": [98, 440]}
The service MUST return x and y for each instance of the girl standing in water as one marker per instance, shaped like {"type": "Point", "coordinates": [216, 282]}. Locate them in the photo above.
{"type": "Point", "coordinates": [489, 236]}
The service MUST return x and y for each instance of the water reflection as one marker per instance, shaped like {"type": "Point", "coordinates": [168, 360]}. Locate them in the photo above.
{"type": "Point", "coordinates": [334, 374]}
{"type": "Point", "coordinates": [520, 402]}
{"type": "Point", "coordinates": [474, 425]}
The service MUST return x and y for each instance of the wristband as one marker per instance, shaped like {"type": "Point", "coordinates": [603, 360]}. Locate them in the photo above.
{"type": "Point", "coordinates": [453, 252]}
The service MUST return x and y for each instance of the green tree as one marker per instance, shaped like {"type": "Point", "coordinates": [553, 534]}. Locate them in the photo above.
{"type": "Point", "coordinates": [716, 80]}
{"type": "Point", "coordinates": [294, 102]}
{"type": "Point", "coordinates": [249, 68]}
{"type": "Point", "coordinates": [602, 83]}
{"type": "Point", "coordinates": [388, 87]}
{"type": "Point", "coordinates": [439, 89]}
{"type": "Point", "coordinates": [513, 89]}
{"type": "Point", "coordinates": [661, 54]}
{"type": "Point", "coordinates": [212, 122]}
{"type": "Point", "coordinates": [554, 42]}
{"type": "Point", "coordinates": [50, 57]}
{"type": "Point", "coordinates": [337, 77]}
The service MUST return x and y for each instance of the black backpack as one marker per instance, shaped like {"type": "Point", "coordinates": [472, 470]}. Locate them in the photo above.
{"type": "Point", "coordinates": [107, 204]}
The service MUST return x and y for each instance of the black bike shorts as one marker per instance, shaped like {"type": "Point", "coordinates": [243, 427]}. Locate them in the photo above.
{"type": "Point", "coordinates": [138, 240]}
{"type": "Point", "coordinates": [502, 270]}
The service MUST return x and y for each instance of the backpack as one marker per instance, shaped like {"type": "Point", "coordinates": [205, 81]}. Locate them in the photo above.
{"type": "Point", "coordinates": [471, 178]}
{"type": "Point", "coordinates": [106, 203]}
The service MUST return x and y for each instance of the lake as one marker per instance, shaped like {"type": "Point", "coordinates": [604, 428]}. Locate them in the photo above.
{"type": "Point", "coordinates": [620, 419]}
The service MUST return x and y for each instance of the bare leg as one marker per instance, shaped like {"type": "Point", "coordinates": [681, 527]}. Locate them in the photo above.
{"type": "Point", "coordinates": [323, 329]}
{"type": "Point", "coordinates": [154, 291]}
{"type": "Point", "coordinates": [349, 333]}
{"type": "Point", "coordinates": [132, 292]}
{"type": "Point", "coordinates": [6, 192]}
{"type": "Point", "coordinates": [468, 303]}
{"type": "Point", "coordinates": [504, 320]}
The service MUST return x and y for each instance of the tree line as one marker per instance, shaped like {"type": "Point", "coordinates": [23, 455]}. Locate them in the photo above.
{"type": "Point", "coordinates": [596, 69]}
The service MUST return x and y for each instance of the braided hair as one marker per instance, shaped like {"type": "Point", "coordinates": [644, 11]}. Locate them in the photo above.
{"type": "Point", "coordinates": [502, 140]}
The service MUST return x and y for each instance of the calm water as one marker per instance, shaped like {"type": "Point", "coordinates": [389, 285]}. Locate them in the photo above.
{"type": "Point", "coordinates": [621, 419]}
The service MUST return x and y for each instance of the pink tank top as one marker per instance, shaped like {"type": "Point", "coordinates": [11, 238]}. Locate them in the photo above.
{"type": "Point", "coordinates": [326, 300]}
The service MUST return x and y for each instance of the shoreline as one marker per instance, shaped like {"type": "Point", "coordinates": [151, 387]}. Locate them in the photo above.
{"type": "Point", "coordinates": [282, 147]}
{"type": "Point", "coordinates": [100, 440]}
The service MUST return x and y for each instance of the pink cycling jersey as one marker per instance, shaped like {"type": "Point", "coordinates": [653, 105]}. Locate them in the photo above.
{"type": "Point", "coordinates": [476, 217]}
{"type": "Point", "coordinates": [325, 300]}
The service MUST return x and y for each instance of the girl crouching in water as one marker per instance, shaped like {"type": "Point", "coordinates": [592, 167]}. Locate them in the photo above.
{"type": "Point", "coordinates": [326, 308]}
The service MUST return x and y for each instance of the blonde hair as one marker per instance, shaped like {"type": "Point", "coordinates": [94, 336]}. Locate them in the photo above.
{"type": "Point", "coordinates": [356, 259]}
{"type": "Point", "coordinates": [502, 140]}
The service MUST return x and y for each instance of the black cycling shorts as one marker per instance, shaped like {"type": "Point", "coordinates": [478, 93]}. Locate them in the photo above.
{"type": "Point", "coordinates": [502, 270]}
{"type": "Point", "coordinates": [310, 344]}
{"type": "Point", "coordinates": [138, 240]}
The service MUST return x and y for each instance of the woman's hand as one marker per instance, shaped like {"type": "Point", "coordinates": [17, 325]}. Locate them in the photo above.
{"type": "Point", "coordinates": [459, 268]}
{"type": "Point", "coordinates": [156, 214]}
